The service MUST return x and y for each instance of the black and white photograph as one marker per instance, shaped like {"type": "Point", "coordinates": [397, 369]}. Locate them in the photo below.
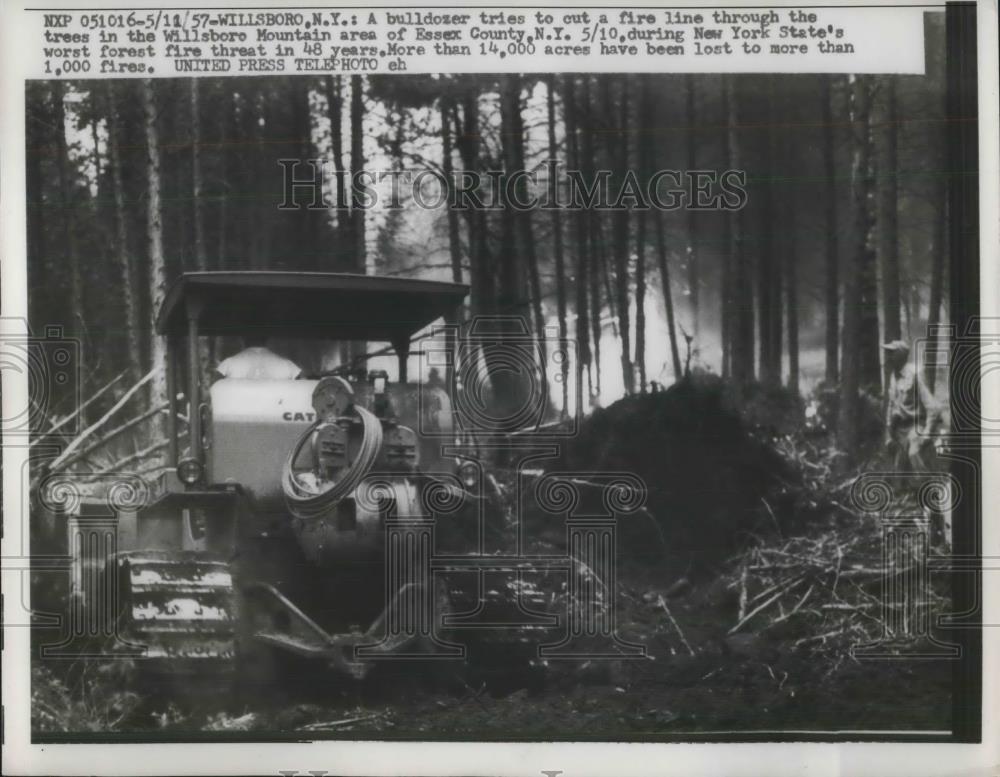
{"type": "Point", "coordinates": [503, 406]}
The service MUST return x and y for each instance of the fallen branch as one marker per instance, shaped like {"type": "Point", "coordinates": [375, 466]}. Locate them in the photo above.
{"type": "Point", "coordinates": [787, 587]}
{"type": "Point", "coordinates": [743, 593]}
{"type": "Point", "coordinates": [155, 469]}
{"type": "Point", "coordinates": [768, 591]}
{"type": "Point", "coordinates": [677, 628]}
{"type": "Point", "coordinates": [797, 607]}
{"type": "Point", "coordinates": [102, 420]}
{"type": "Point", "coordinates": [328, 724]}
{"type": "Point", "coordinates": [818, 637]}
{"type": "Point", "coordinates": [137, 456]}
{"type": "Point", "coordinates": [774, 518]}
{"type": "Point", "coordinates": [118, 430]}
{"type": "Point", "coordinates": [55, 427]}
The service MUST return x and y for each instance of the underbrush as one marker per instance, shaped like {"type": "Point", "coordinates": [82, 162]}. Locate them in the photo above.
{"type": "Point", "coordinates": [87, 696]}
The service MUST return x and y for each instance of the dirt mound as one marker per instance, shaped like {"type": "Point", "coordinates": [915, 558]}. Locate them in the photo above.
{"type": "Point", "coordinates": [711, 481]}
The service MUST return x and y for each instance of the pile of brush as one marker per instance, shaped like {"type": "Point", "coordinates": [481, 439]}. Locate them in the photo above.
{"type": "Point", "coordinates": [838, 590]}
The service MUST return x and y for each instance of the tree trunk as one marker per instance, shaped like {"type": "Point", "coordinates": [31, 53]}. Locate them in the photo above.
{"type": "Point", "coordinates": [595, 245]}
{"type": "Point", "coordinates": [768, 268]}
{"type": "Point", "coordinates": [126, 264]}
{"type": "Point", "coordinates": [694, 281]}
{"type": "Point", "coordinates": [95, 138]}
{"type": "Point", "coordinates": [510, 388]}
{"type": "Point", "coordinates": [37, 97]}
{"type": "Point", "coordinates": [621, 247]}
{"type": "Point", "coordinates": [609, 294]}
{"type": "Point", "coordinates": [645, 160]}
{"type": "Point", "coordinates": [889, 216]}
{"type": "Point", "coordinates": [621, 233]}
{"type": "Point", "coordinates": [480, 261]}
{"type": "Point", "coordinates": [726, 302]}
{"type": "Point", "coordinates": [597, 270]}
{"type": "Point", "coordinates": [640, 299]}
{"type": "Point", "coordinates": [663, 264]}
{"type": "Point", "coordinates": [792, 301]}
{"type": "Point", "coordinates": [510, 290]}
{"type": "Point", "coordinates": [939, 253]}
{"type": "Point", "coordinates": [616, 152]}
{"type": "Point", "coordinates": [448, 167]}
{"type": "Point", "coordinates": [359, 243]}
{"type": "Point", "coordinates": [869, 345]}
{"type": "Point", "coordinates": [860, 265]}
{"type": "Point", "coordinates": [200, 254]}
{"type": "Point", "coordinates": [335, 113]}
{"type": "Point", "coordinates": [255, 122]}
{"type": "Point", "coordinates": [198, 213]}
{"type": "Point", "coordinates": [482, 286]}
{"type": "Point", "coordinates": [157, 268]}
{"type": "Point", "coordinates": [228, 131]}
{"type": "Point", "coordinates": [668, 297]}
{"type": "Point", "coordinates": [581, 331]}
{"type": "Point", "coordinates": [68, 220]}
{"type": "Point", "coordinates": [305, 223]}
{"type": "Point", "coordinates": [557, 239]}
{"type": "Point", "coordinates": [514, 153]}
{"type": "Point", "coordinates": [832, 256]}
{"type": "Point", "coordinates": [765, 367]}
{"type": "Point", "coordinates": [742, 351]}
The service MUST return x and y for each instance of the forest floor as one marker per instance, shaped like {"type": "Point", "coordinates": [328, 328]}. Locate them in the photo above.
{"type": "Point", "coordinates": [737, 684]}
{"type": "Point", "coordinates": [747, 580]}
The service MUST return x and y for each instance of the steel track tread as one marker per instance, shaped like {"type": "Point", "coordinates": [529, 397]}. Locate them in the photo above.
{"type": "Point", "coordinates": [181, 607]}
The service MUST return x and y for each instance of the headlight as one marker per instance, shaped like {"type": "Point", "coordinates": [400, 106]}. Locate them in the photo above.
{"type": "Point", "coordinates": [190, 471]}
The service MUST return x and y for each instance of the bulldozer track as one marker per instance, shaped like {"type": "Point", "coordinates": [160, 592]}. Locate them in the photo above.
{"type": "Point", "coordinates": [180, 607]}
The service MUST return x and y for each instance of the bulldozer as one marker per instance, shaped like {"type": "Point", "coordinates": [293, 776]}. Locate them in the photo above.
{"type": "Point", "coordinates": [300, 516]}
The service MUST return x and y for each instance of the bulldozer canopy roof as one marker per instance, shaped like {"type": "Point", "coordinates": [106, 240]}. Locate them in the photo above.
{"type": "Point", "coordinates": [337, 306]}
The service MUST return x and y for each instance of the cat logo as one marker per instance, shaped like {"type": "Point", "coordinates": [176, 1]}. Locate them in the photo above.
{"type": "Point", "coordinates": [299, 416]}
